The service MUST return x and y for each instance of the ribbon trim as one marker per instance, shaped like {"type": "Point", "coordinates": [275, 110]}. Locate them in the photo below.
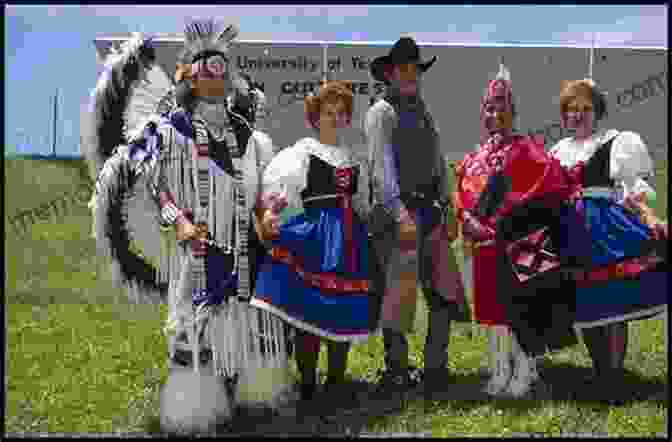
{"type": "Point", "coordinates": [328, 282]}
{"type": "Point", "coordinates": [346, 204]}
{"type": "Point", "coordinates": [628, 269]}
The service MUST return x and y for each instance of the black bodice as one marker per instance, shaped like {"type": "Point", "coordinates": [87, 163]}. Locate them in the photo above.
{"type": "Point", "coordinates": [322, 179]}
{"type": "Point", "coordinates": [596, 170]}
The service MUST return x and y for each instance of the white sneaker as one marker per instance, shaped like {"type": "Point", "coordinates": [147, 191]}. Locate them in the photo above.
{"type": "Point", "coordinates": [524, 377]}
{"type": "Point", "coordinates": [501, 376]}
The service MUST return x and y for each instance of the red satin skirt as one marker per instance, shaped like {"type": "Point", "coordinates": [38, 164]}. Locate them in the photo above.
{"type": "Point", "coordinates": [487, 311]}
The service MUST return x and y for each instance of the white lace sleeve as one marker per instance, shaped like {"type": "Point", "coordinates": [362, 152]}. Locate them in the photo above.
{"type": "Point", "coordinates": [287, 172]}
{"type": "Point", "coordinates": [563, 153]}
{"type": "Point", "coordinates": [630, 164]}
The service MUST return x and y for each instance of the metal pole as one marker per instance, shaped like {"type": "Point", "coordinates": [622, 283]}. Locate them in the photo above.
{"type": "Point", "coordinates": [591, 58]}
{"type": "Point", "coordinates": [591, 61]}
{"type": "Point", "coordinates": [325, 65]}
{"type": "Point", "coordinates": [53, 148]}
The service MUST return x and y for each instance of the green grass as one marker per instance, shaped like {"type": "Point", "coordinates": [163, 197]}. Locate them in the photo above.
{"type": "Point", "coordinates": [82, 360]}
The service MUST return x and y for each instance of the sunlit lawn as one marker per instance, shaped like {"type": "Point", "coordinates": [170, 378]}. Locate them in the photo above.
{"type": "Point", "coordinates": [81, 360]}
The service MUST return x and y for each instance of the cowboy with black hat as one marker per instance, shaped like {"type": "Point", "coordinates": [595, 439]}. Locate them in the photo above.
{"type": "Point", "coordinates": [410, 191]}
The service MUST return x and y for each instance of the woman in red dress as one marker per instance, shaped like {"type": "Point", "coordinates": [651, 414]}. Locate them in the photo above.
{"type": "Point", "coordinates": [506, 170]}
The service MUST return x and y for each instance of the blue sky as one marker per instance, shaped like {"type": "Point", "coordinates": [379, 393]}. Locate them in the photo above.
{"type": "Point", "coordinates": [51, 46]}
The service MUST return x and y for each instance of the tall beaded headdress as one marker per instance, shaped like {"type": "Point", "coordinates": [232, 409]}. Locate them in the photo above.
{"type": "Point", "coordinates": [500, 86]}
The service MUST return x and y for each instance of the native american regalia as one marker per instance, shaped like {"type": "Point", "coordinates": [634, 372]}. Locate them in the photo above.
{"type": "Point", "coordinates": [504, 172]}
{"type": "Point", "coordinates": [521, 158]}
{"type": "Point", "coordinates": [316, 276]}
{"type": "Point", "coordinates": [165, 162]}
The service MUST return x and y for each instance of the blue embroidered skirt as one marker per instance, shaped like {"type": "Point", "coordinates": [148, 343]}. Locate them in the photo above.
{"type": "Point", "coordinates": [304, 280]}
{"type": "Point", "coordinates": [623, 281]}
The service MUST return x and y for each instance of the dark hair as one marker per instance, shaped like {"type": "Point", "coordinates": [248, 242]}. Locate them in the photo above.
{"type": "Point", "coordinates": [184, 95]}
{"type": "Point", "coordinates": [599, 104]}
{"type": "Point", "coordinates": [243, 104]}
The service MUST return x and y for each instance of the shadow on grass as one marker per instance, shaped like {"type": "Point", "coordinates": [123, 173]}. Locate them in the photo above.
{"type": "Point", "coordinates": [566, 384]}
{"type": "Point", "coordinates": [464, 391]}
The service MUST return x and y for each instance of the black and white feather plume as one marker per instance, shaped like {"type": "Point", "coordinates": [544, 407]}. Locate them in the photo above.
{"type": "Point", "coordinates": [125, 102]}
{"type": "Point", "coordinates": [104, 129]}
{"type": "Point", "coordinates": [201, 35]}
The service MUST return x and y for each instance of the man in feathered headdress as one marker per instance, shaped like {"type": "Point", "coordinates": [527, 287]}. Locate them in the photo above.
{"type": "Point", "coordinates": [189, 161]}
{"type": "Point", "coordinates": [503, 172]}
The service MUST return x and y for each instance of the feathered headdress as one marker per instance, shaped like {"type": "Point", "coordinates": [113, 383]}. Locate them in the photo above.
{"type": "Point", "coordinates": [203, 36]}
{"type": "Point", "coordinates": [500, 86]}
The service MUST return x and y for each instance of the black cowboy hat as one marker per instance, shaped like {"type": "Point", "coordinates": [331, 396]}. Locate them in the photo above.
{"type": "Point", "coordinates": [404, 51]}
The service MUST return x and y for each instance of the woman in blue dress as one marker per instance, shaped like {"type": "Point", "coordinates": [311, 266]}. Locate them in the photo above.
{"type": "Point", "coordinates": [316, 275]}
{"type": "Point", "coordinates": [625, 275]}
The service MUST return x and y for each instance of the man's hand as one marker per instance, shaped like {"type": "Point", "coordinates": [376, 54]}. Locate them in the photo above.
{"type": "Point", "coordinates": [405, 216]}
{"type": "Point", "coordinates": [186, 230]}
{"type": "Point", "coordinates": [452, 229]}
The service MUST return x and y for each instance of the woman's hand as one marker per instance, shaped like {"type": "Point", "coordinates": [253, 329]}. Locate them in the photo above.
{"type": "Point", "coordinates": [274, 201]}
{"type": "Point", "coordinates": [474, 230]}
{"type": "Point", "coordinates": [269, 214]}
{"type": "Point", "coordinates": [638, 204]}
{"type": "Point", "coordinates": [270, 224]}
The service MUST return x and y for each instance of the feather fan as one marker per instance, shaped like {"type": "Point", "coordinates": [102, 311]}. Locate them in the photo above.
{"type": "Point", "coordinates": [125, 100]}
